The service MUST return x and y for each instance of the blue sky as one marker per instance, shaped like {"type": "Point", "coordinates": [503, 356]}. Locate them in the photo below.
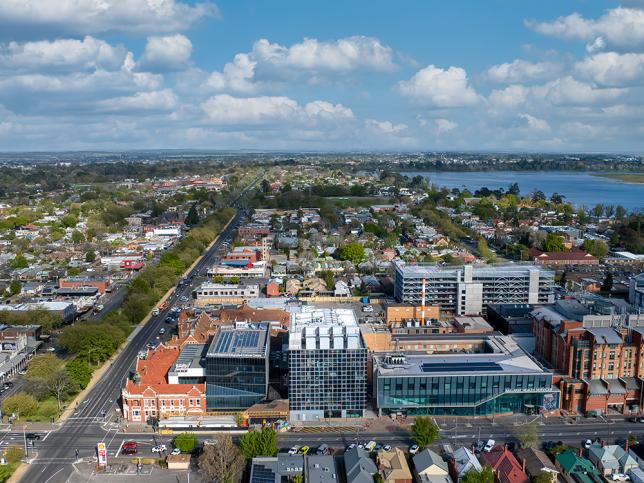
{"type": "Point", "coordinates": [368, 75]}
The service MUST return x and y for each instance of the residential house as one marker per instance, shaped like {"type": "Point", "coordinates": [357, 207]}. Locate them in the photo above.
{"type": "Point", "coordinates": [537, 462]}
{"type": "Point", "coordinates": [463, 460]}
{"type": "Point", "coordinates": [393, 467]}
{"type": "Point", "coordinates": [342, 289]}
{"type": "Point", "coordinates": [505, 466]}
{"type": "Point", "coordinates": [430, 468]}
{"type": "Point", "coordinates": [574, 468]}
{"type": "Point", "coordinates": [612, 458]}
{"type": "Point", "coordinates": [358, 466]}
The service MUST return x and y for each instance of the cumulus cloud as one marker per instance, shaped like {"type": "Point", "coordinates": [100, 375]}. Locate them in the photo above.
{"type": "Point", "coordinates": [568, 91]}
{"type": "Point", "coordinates": [535, 124]}
{"type": "Point", "coordinates": [444, 125]}
{"type": "Point", "coordinates": [385, 127]}
{"type": "Point", "coordinates": [522, 71]}
{"type": "Point", "coordinates": [510, 98]}
{"type": "Point", "coordinates": [163, 100]}
{"type": "Point", "coordinates": [271, 62]}
{"type": "Point", "coordinates": [434, 87]}
{"type": "Point", "coordinates": [62, 55]}
{"type": "Point", "coordinates": [613, 69]}
{"type": "Point", "coordinates": [226, 109]}
{"type": "Point", "coordinates": [96, 16]}
{"type": "Point", "coordinates": [166, 54]}
{"type": "Point", "coordinates": [621, 28]}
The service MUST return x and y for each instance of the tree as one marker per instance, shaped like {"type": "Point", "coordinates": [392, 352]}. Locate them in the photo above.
{"type": "Point", "coordinates": [15, 287]}
{"type": "Point", "coordinates": [377, 478]}
{"type": "Point", "coordinates": [221, 462]}
{"type": "Point", "coordinates": [19, 261]}
{"type": "Point", "coordinates": [543, 477]}
{"type": "Point", "coordinates": [553, 243]}
{"type": "Point", "coordinates": [486, 475]}
{"type": "Point", "coordinates": [484, 250]}
{"type": "Point", "coordinates": [528, 435]}
{"type": "Point", "coordinates": [77, 237]}
{"type": "Point", "coordinates": [90, 256]}
{"type": "Point", "coordinates": [259, 443]}
{"type": "Point", "coordinates": [192, 218]}
{"type": "Point", "coordinates": [607, 285]}
{"type": "Point", "coordinates": [186, 442]}
{"type": "Point", "coordinates": [21, 404]}
{"type": "Point", "coordinates": [424, 432]}
{"type": "Point", "coordinates": [596, 248]}
{"type": "Point", "coordinates": [79, 372]}
{"type": "Point", "coordinates": [60, 386]}
{"type": "Point", "coordinates": [13, 454]}
{"type": "Point", "coordinates": [353, 252]}
{"type": "Point", "coordinates": [43, 366]}
{"type": "Point", "coordinates": [620, 212]}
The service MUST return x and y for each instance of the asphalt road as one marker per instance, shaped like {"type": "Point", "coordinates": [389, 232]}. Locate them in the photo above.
{"type": "Point", "coordinates": [82, 431]}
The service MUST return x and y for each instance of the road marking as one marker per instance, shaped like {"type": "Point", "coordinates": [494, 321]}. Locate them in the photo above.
{"type": "Point", "coordinates": [119, 450]}
{"type": "Point", "coordinates": [47, 435]}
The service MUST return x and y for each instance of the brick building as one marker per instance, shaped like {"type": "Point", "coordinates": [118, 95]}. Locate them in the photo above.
{"type": "Point", "coordinates": [99, 282]}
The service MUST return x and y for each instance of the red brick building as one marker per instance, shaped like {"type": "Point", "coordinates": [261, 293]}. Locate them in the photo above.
{"type": "Point", "coordinates": [574, 257]}
{"type": "Point", "coordinates": [148, 394]}
{"type": "Point", "coordinates": [101, 283]}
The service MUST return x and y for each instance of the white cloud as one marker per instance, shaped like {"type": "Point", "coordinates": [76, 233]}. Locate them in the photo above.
{"type": "Point", "coordinates": [169, 53]}
{"type": "Point", "coordinates": [225, 109]}
{"type": "Point", "coordinates": [613, 69]}
{"type": "Point", "coordinates": [438, 88]}
{"type": "Point", "coordinates": [569, 91]}
{"type": "Point", "coordinates": [163, 100]}
{"type": "Point", "coordinates": [271, 62]}
{"type": "Point", "coordinates": [385, 127]}
{"type": "Point", "coordinates": [522, 71]}
{"type": "Point", "coordinates": [444, 126]}
{"type": "Point", "coordinates": [535, 124]}
{"type": "Point", "coordinates": [61, 55]}
{"type": "Point", "coordinates": [510, 98]}
{"type": "Point", "coordinates": [620, 27]}
{"type": "Point", "coordinates": [95, 16]}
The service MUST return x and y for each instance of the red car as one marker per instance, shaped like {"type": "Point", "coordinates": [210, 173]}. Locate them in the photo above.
{"type": "Point", "coordinates": [129, 448]}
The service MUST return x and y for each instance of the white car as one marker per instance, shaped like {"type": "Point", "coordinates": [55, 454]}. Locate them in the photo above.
{"type": "Point", "coordinates": [367, 308]}
{"type": "Point", "coordinates": [587, 444]}
{"type": "Point", "coordinates": [159, 449]}
{"type": "Point", "coordinates": [175, 452]}
{"type": "Point", "coordinates": [620, 477]}
{"type": "Point", "coordinates": [294, 450]}
{"type": "Point", "coordinates": [51, 349]}
{"type": "Point", "coordinates": [489, 445]}
{"type": "Point", "coordinates": [414, 449]}
{"type": "Point", "coordinates": [387, 448]}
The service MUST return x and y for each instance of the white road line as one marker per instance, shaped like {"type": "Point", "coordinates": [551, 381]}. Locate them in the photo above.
{"type": "Point", "coordinates": [119, 450]}
{"type": "Point", "coordinates": [47, 435]}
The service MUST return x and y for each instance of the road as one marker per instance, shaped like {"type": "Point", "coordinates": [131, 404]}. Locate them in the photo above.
{"type": "Point", "coordinates": [82, 431]}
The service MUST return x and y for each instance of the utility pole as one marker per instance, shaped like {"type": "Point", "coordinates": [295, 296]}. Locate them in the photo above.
{"type": "Point", "coordinates": [24, 435]}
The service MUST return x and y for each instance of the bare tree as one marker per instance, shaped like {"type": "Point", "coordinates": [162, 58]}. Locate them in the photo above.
{"type": "Point", "coordinates": [60, 385]}
{"type": "Point", "coordinates": [221, 461]}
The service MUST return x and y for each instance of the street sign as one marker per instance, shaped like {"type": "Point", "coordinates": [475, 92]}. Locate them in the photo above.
{"type": "Point", "coordinates": [102, 454]}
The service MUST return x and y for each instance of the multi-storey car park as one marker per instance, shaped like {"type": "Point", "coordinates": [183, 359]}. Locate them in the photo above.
{"type": "Point", "coordinates": [468, 289]}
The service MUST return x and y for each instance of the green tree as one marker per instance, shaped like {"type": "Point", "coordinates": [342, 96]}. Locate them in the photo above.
{"type": "Point", "coordinates": [15, 287]}
{"type": "Point", "coordinates": [79, 372]}
{"type": "Point", "coordinates": [528, 435]}
{"type": "Point", "coordinates": [484, 250]}
{"type": "Point", "coordinates": [90, 256]}
{"type": "Point", "coordinates": [13, 454]}
{"type": "Point", "coordinates": [329, 279]}
{"type": "Point", "coordinates": [620, 212]}
{"type": "Point", "coordinates": [486, 475]}
{"type": "Point", "coordinates": [43, 366]}
{"type": "Point", "coordinates": [596, 248]}
{"type": "Point", "coordinates": [21, 404]}
{"type": "Point", "coordinates": [258, 443]}
{"type": "Point", "coordinates": [192, 218]}
{"type": "Point", "coordinates": [77, 237]}
{"type": "Point", "coordinates": [424, 432]}
{"type": "Point", "coordinates": [543, 477]}
{"type": "Point", "coordinates": [354, 252]}
{"type": "Point", "coordinates": [19, 261]}
{"type": "Point", "coordinates": [553, 243]}
{"type": "Point", "coordinates": [186, 442]}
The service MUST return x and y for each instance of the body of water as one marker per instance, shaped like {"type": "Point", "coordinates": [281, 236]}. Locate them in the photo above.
{"type": "Point", "coordinates": [580, 189]}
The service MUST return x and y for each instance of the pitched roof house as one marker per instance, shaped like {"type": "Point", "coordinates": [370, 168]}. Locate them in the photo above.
{"type": "Point", "coordinates": [430, 468]}
{"type": "Point", "coordinates": [393, 466]}
{"type": "Point", "coordinates": [506, 467]}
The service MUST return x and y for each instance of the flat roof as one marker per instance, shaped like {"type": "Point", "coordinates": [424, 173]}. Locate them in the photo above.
{"type": "Point", "coordinates": [190, 357]}
{"type": "Point", "coordinates": [248, 341]}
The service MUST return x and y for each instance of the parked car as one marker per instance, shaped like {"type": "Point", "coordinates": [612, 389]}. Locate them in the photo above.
{"type": "Point", "coordinates": [294, 450]}
{"type": "Point", "coordinates": [159, 449]}
{"type": "Point", "coordinates": [162, 331]}
{"type": "Point", "coordinates": [367, 308]}
{"type": "Point", "coordinates": [351, 446]}
{"type": "Point", "coordinates": [323, 450]}
{"type": "Point", "coordinates": [175, 452]}
{"type": "Point", "coordinates": [489, 445]}
{"type": "Point", "coordinates": [413, 449]}
{"type": "Point", "coordinates": [620, 477]}
{"type": "Point", "coordinates": [588, 443]}
{"type": "Point", "coordinates": [304, 450]}
{"type": "Point", "coordinates": [387, 448]}
{"type": "Point", "coordinates": [155, 312]}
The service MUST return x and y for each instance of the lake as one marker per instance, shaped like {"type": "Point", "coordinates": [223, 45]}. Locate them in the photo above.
{"type": "Point", "coordinates": [580, 189]}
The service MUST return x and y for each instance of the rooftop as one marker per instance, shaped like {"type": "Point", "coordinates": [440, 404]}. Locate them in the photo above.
{"type": "Point", "coordinates": [241, 340]}
{"type": "Point", "coordinates": [313, 328]}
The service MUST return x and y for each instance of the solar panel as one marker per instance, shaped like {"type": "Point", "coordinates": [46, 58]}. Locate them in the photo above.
{"type": "Point", "coordinates": [460, 367]}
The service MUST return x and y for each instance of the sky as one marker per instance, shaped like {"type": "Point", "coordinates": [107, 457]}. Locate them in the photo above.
{"type": "Point", "coordinates": [509, 75]}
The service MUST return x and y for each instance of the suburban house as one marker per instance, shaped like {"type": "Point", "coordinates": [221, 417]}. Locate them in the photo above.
{"type": "Point", "coordinates": [505, 466]}
{"type": "Point", "coordinates": [393, 466]}
{"type": "Point", "coordinates": [430, 468]}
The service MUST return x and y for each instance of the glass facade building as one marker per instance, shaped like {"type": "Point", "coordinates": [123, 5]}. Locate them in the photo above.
{"type": "Point", "coordinates": [503, 380]}
{"type": "Point", "coordinates": [237, 368]}
{"type": "Point", "coordinates": [327, 365]}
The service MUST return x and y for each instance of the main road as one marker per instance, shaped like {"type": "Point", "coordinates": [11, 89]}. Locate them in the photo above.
{"type": "Point", "coordinates": [57, 452]}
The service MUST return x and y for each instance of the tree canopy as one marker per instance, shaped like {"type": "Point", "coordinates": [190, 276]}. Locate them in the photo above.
{"type": "Point", "coordinates": [259, 443]}
{"type": "Point", "coordinates": [424, 431]}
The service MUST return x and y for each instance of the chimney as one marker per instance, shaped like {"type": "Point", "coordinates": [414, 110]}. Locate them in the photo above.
{"type": "Point", "coordinates": [523, 465]}
{"type": "Point", "coordinates": [626, 445]}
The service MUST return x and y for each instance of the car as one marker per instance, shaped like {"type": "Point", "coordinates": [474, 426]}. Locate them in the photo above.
{"type": "Point", "coordinates": [50, 349]}
{"type": "Point", "coordinates": [351, 446]}
{"type": "Point", "coordinates": [620, 477]}
{"type": "Point", "coordinates": [378, 446]}
{"type": "Point", "coordinates": [361, 446]}
{"type": "Point", "coordinates": [8, 384]}
{"type": "Point", "coordinates": [175, 452]}
{"type": "Point", "coordinates": [304, 450]}
{"type": "Point", "coordinates": [22, 373]}
{"type": "Point", "coordinates": [32, 436]}
{"type": "Point", "coordinates": [294, 450]}
{"type": "Point", "coordinates": [640, 419]}
{"type": "Point", "coordinates": [159, 449]}
{"type": "Point", "coordinates": [323, 449]}
{"type": "Point", "coordinates": [155, 312]}
{"type": "Point", "coordinates": [367, 308]}
{"type": "Point", "coordinates": [489, 445]}
{"type": "Point", "coordinates": [169, 320]}
{"type": "Point", "coordinates": [370, 446]}
{"type": "Point", "coordinates": [588, 443]}
{"type": "Point", "coordinates": [386, 447]}
{"type": "Point", "coordinates": [413, 449]}
{"type": "Point", "coordinates": [129, 448]}
{"type": "Point", "coordinates": [162, 331]}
